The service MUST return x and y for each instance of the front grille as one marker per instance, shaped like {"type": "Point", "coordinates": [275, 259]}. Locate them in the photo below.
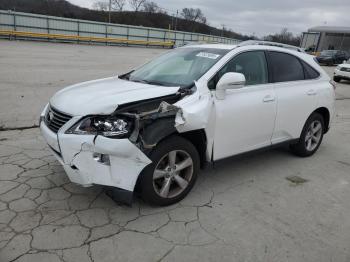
{"type": "Point", "coordinates": [55, 119]}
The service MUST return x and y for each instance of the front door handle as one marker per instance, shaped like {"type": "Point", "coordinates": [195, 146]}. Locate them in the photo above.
{"type": "Point", "coordinates": [268, 98]}
{"type": "Point", "coordinates": [311, 92]}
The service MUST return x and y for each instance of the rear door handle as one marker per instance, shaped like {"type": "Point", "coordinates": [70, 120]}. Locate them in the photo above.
{"type": "Point", "coordinates": [268, 98]}
{"type": "Point", "coordinates": [311, 92]}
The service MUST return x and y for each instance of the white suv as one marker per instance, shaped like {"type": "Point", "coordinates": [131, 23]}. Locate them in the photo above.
{"type": "Point", "coordinates": [151, 130]}
{"type": "Point", "coordinates": [342, 71]}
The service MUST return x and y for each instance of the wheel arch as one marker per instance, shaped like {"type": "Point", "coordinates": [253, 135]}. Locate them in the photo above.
{"type": "Point", "coordinates": [197, 137]}
{"type": "Point", "coordinates": [162, 129]}
{"type": "Point", "coordinates": [324, 112]}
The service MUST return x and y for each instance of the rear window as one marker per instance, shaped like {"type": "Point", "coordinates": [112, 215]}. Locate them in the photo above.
{"type": "Point", "coordinates": [285, 67]}
{"type": "Point", "coordinates": [310, 73]}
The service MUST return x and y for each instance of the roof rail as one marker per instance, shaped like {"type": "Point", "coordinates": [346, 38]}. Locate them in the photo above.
{"type": "Point", "coordinates": [267, 43]}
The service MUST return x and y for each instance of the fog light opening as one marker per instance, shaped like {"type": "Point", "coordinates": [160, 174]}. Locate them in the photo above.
{"type": "Point", "coordinates": [101, 158]}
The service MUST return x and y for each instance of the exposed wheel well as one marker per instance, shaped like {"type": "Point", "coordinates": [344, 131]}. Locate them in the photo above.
{"type": "Point", "coordinates": [326, 117]}
{"type": "Point", "coordinates": [199, 139]}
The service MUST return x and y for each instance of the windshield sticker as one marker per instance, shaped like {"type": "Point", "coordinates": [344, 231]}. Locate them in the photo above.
{"type": "Point", "coordinates": [208, 55]}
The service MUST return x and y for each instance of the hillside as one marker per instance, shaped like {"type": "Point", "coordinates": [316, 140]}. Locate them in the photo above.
{"type": "Point", "coordinates": [63, 8]}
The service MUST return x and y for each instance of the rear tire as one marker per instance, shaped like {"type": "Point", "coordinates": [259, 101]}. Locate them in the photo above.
{"type": "Point", "coordinates": [172, 173]}
{"type": "Point", "coordinates": [311, 136]}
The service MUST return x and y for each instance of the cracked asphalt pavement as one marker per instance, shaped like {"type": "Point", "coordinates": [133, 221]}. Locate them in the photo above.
{"type": "Point", "coordinates": [269, 206]}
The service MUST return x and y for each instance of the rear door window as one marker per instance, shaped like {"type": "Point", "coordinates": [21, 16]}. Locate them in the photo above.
{"type": "Point", "coordinates": [285, 67]}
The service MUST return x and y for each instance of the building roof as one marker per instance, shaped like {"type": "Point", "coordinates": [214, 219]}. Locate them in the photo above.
{"type": "Point", "coordinates": [331, 29]}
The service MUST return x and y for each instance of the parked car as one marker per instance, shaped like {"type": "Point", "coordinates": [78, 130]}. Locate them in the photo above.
{"type": "Point", "coordinates": [332, 57]}
{"type": "Point", "coordinates": [342, 72]}
{"type": "Point", "coordinates": [152, 129]}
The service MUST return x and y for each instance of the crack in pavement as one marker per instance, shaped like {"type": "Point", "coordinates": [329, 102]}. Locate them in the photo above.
{"type": "Point", "coordinates": [51, 215]}
{"type": "Point", "coordinates": [2, 128]}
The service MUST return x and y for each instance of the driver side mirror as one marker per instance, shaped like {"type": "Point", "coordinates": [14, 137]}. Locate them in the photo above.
{"type": "Point", "coordinates": [229, 81]}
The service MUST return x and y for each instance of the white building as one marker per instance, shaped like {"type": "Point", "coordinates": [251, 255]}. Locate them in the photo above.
{"type": "Point", "coordinates": [321, 38]}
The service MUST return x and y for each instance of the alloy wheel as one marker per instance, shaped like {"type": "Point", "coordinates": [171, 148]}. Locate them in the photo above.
{"type": "Point", "coordinates": [313, 135]}
{"type": "Point", "coordinates": [173, 174]}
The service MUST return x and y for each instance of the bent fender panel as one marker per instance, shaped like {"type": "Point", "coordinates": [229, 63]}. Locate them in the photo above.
{"type": "Point", "coordinates": [198, 112]}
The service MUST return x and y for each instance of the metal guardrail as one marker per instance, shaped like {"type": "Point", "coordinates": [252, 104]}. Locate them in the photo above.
{"type": "Point", "coordinates": [83, 30]}
{"type": "Point", "coordinates": [11, 34]}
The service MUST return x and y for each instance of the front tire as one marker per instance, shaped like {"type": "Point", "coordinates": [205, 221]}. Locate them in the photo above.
{"type": "Point", "coordinates": [311, 136]}
{"type": "Point", "coordinates": [172, 173]}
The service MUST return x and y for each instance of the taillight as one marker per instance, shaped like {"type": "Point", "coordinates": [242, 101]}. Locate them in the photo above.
{"type": "Point", "coordinates": [333, 84]}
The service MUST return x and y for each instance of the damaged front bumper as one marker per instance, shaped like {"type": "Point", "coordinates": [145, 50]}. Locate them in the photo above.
{"type": "Point", "coordinates": [90, 159]}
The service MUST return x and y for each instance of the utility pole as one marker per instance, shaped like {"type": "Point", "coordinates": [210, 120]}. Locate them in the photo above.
{"type": "Point", "coordinates": [177, 12]}
{"type": "Point", "coordinates": [172, 22]}
{"type": "Point", "coordinates": [109, 11]}
{"type": "Point", "coordinates": [223, 30]}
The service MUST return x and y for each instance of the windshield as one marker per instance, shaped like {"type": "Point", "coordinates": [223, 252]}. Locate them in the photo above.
{"type": "Point", "coordinates": [180, 67]}
{"type": "Point", "coordinates": [328, 52]}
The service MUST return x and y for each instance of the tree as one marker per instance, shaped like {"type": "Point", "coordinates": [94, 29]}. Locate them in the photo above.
{"type": "Point", "coordinates": [118, 5]}
{"type": "Point", "coordinates": [285, 37]}
{"type": "Point", "coordinates": [103, 5]}
{"type": "Point", "coordinates": [150, 7]}
{"type": "Point", "coordinates": [136, 4]}
{"type": "Point", "coordinates": [193, 15]}
{"type": "Point", "coordinates": [100, 6]}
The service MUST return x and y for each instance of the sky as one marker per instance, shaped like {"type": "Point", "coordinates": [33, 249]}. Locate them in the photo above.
{"type": "Point", "coordinates": [261, 17]}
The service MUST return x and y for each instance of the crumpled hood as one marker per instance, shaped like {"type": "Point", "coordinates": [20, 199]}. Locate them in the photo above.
{"type": "Point", "coordinates": [103, 96]}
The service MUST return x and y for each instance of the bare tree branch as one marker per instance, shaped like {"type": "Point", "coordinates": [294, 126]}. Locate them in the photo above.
{"type": "Point", "coordinates": [150, 7]}
{"type": "Point", "coordinates": [118, 5]}
{"type": "Point", "coordinates": [136, 4]}
{"type": "Point", "coordinates": [193, 15]}
{"type": "Point", "coordinates": [100, 5]}
{"type": "Point", "coordinates": [285, 37]}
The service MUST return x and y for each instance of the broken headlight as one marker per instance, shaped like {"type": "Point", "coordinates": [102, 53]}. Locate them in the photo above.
{"type": "Point", "coordinates": [109, 126]}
